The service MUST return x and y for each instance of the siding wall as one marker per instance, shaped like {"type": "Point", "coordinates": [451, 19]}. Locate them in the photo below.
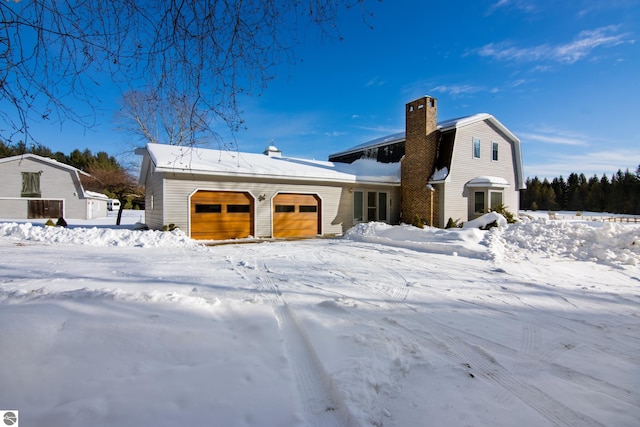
{"type": "Point", "coordinates": [336, 200]}
{"type": "Point", "coordinates": [55, 184]}
{"type": "Point", "coordinates": [154, 200]}
{"type": "Point", "coordinates": [96, 208]}
{"type": "Point", "coordinates": [458, 201]}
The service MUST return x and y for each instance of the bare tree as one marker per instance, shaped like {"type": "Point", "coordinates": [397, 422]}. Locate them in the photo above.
{"type": "Point", "coordinates": [117, 182]}
{"type": "Point", "coordinates": [172, 120]}
{"type": "Point", "coordinates": [208, 52]}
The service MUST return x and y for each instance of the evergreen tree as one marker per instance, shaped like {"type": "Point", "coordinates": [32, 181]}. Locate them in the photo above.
{"type": "Point", "coordinates": [595, 196]}
{"type": "Point", "coordinates": [559, 186]}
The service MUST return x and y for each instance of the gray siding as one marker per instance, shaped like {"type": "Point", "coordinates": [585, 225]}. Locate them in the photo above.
{"type": "Point", "coordinates": [457, 200]}
{"type": "Point", "coordinates": [13, 208]}
{"type": "Point", "coordinates": [154, 199]}
{"type": "Point", "coordinates": [336, 200]}
{"type": "Point", "coordinates": [56, 183]}
{"type": "Point", "coordinates": [96, 208]}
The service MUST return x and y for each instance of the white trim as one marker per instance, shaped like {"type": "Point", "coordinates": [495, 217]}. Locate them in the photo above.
{"type": "Point", "coordinates": [473, 147]}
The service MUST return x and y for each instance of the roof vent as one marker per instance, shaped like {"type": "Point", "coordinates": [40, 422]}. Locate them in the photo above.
{"type": "Point", "coordinates": [272, 151]}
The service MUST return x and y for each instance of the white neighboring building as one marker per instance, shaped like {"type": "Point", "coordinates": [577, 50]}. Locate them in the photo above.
{"type": "Point", "coordinates": [39, 187]}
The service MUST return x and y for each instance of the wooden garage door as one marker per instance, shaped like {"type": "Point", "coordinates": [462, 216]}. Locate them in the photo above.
{"type": "Point", "coordinates": [219, 215]}
{"type": "Point", "coordinates": [296, 215]}
{"type": "Point", "coordinates": [44, 209]}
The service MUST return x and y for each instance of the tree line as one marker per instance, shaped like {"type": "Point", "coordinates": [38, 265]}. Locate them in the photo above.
{"type": "Point", "coordinates": [619, 194]}
{"type": "Point", "coordinates": [83, 160]}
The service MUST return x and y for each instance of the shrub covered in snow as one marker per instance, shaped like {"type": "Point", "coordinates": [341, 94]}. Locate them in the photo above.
{"type": "Point", "coordinates": [485, 220]}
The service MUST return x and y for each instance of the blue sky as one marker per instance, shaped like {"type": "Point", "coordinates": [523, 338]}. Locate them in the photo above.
{"type": "Point", "coordinates": [563, 76]}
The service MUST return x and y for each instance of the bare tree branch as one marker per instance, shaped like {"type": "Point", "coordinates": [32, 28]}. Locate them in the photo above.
{"type": "Point", "coordinates": [208, 52]}
{"type": "Point", "coordinates": [172, 120]}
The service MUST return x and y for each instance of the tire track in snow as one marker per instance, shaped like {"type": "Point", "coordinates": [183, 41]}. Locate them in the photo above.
{"type": "Point", "coordinates": [457, 346]}
{"type": "Point", "coordinates": [482, 363]}
{"type": "Point", "coordinates": [452, 347]}
{"type": "Point", "coordinates": [321, 400]}
{"type": "Point", "coordinates": [396, 295]}
{"type": "Point", "coordinates": [394, 290]}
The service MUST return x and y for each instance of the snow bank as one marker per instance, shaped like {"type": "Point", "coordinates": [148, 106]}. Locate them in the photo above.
{"type": "Point", "coordinates": [485, 220]}
{"type": "Point", "coordinates": [94, 236]}
{"type": "Point", "coordinates": [466, 242]}
{"type": "Point", "coordinates": [606, 243]}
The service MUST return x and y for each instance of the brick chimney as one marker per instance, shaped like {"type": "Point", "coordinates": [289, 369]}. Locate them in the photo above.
{"type": "Point", "coordinates": [417, 165]}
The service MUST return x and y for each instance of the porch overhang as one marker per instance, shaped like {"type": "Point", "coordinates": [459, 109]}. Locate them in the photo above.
{"type": "Point", "coordinates": [488, 182]}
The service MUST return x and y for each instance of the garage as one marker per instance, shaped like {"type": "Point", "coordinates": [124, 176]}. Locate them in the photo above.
{"type": "Point", "coordinates": [296, 215]}
{"type": "Point", "coordinates": [220, 215]}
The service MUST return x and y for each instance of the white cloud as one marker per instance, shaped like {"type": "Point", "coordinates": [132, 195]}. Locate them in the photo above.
{"type": "Point", "coordinates": [568, 53]}
{"type": "Point", "coordinates": [522, 5]}
{"type": "Point", "coordinates": [334, 134]}
{"type": "Point", "coordinates": [551, 138]}
{"type": "Point", "coordinates": [381, 130]}
{"type": "Point", "coordinates": [590, 163]}
{"type": "Point", "coordinates": [462, 89]}
{"type": "Point", "coordinates": [376, 81]}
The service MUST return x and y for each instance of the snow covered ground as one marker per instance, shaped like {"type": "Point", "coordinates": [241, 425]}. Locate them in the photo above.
{"type": "Point", "coordinates": [533, 324]}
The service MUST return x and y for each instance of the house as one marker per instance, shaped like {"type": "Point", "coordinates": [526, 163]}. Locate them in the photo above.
{"type": "Point", "coordinates": [219, 194]}
{"type": "Point", "coordinates": [39, 187]}
{"type": "Point", "coordinates": [458, 168]}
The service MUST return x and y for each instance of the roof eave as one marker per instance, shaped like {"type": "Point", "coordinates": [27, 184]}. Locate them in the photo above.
{"type": "Point", "coordinates": [353, 179]}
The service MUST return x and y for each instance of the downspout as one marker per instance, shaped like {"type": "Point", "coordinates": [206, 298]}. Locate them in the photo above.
{"type": "Point", "coordinates": [431, 191]}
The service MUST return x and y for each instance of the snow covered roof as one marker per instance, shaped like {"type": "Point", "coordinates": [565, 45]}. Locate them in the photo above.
{"type": "Point", "coordinates": [93, 195]}
{"type": "Point", "coordinates": [446, 125]}
{"type": "Point", "coordinates": [378, 142]}
{"type": "Point", "coordinates": [442, 126]}
{"type": "Point", "coordinates": [49, 160]}
{"type": "Point", "coordinates": [488, 181]}
{"type": "Point", "coordinates": [176, 159]}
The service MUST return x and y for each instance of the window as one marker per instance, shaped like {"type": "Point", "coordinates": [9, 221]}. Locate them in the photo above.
{"type": "Point", "coordinates": [358, 201]}
{"type": "Point", "coordinates": [376, 206]}
{"type": "Point", "coordinates": [496, 200]}
{"type": "Point", "coordinates": [476, 148]}
{"type": "Point", "coordinates": [479, 202]}
{"type": "Point", "coordinates": [285, 208]}
{"type": "Point", "coordinates": [238, 208]}
{"type": "Point", "coordinates": [308, 209]}
{"type": "Point", "coordinates": [495, 151]}
{"type": "Point", "coordinates": [208, 208]}
{"type": "Point", "coordinates": [30, 184]}
{"type": "Point", "coordinates": [382, 206]}
{"type": "Point", "coordinates": [372, 206]}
